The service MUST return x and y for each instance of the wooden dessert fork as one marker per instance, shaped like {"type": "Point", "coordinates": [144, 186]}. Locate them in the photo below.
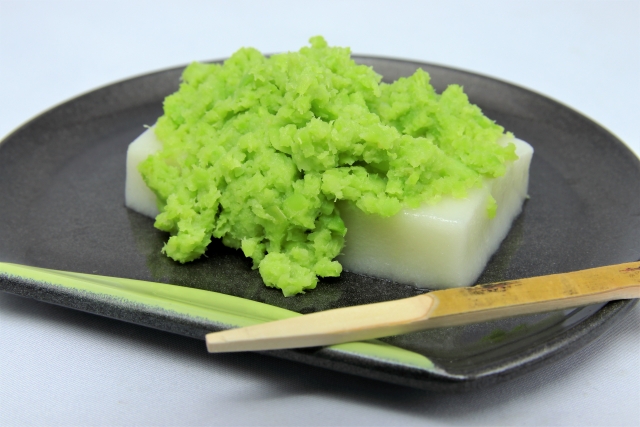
{"type": "Point", "coordinates": [450, 307]}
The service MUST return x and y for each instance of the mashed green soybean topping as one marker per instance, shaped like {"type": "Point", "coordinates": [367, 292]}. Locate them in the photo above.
{"type": "Point", "coordinates": [258, 150]}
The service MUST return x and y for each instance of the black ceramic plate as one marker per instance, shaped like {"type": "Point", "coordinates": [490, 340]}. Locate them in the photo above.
{"type": "Point", "coordinates": [61, 207]}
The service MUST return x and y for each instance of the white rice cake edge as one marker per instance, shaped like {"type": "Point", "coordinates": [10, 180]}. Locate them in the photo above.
{"type": "Point", "coordinates": [444, 245]}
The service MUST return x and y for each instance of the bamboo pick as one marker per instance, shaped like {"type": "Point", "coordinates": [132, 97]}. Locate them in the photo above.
{"type": "Point", "coordinates": [436, 309]}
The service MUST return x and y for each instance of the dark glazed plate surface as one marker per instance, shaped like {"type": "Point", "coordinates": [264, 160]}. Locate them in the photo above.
{"type": "Point", "coordinates": [61, 207]}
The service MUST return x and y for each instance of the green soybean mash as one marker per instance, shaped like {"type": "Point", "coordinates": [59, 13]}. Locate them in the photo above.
{"type": "Point", "coordinates": [257, 151]}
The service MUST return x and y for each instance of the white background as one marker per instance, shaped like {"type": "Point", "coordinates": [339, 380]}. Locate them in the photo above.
{"type": "Point", "coordinates": [61, 367]}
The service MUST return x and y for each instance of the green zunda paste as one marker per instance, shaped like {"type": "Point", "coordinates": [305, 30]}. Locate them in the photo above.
{"type": "Point", "coordinates": [258, 150]}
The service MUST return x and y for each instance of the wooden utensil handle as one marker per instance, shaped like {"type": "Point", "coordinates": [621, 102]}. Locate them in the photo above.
{"type": "Point", "coordinates": [535, 295]}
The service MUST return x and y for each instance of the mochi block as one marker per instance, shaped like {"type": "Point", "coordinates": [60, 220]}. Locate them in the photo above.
{"type": "Point", "coordinates": [437, 246]}
{"type": "Point", "coordinates": [434, 246]}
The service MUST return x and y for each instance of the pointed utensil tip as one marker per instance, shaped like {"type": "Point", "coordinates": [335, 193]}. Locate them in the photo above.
{"type": "Point", "coordinates": [327, 327]}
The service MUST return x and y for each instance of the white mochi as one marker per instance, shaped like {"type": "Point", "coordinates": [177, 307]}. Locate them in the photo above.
{"type": "Point", "coordinates": [439, 246]}
{"type": "Point", "coordinates": [137, 195]}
